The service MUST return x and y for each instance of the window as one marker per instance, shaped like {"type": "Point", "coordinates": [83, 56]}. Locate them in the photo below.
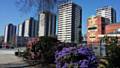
{"type": "Point", "coordinates": [92, 37]}
{"type": "Point", "coordinates": [92, 28]}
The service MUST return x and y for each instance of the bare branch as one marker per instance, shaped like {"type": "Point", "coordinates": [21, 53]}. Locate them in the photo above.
{"type": "Point", "coordinates": [50, 5]}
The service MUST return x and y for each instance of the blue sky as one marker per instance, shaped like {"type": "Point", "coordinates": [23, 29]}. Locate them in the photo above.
{"type": "Point", "coordinates": [9, 13]}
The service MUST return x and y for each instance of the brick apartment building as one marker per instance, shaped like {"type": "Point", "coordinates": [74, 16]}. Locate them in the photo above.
{"type": "Point", "coordinates": [96, 26]}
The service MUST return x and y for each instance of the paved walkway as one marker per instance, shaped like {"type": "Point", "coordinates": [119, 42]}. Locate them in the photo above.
{"type": "Point", "coordinates": [9, 60]}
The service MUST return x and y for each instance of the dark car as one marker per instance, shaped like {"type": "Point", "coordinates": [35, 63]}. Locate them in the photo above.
{"type": "Point", "coordinates": [0, 46]}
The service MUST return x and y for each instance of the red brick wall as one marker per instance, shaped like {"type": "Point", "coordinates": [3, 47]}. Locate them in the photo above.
{"type": "Point", "coordinates": [95, 33]}
{"type": "Point", "coordinates": [111, 27]}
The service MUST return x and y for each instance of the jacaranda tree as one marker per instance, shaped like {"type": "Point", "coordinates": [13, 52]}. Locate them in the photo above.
{"type": "Point", "coordinates": [75, 57]}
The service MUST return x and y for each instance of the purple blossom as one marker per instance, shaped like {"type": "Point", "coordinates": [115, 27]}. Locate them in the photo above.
{"type": "Point", "coordinates": [78, 57]}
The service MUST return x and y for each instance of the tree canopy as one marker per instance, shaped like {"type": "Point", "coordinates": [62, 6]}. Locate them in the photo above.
{"type": "Point", "coordinates": [113, 51]}
{"type": "Point", "coordinates": [44, 49]}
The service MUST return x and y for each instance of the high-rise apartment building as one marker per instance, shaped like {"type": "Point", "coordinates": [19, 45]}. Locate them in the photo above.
{"type": "Point", "coordinates": [10, 34]}
{"type": "Point", "coordinates": [47, 24]}
{"type": "Point", "coordinates": [27, 30]}
{"type": "Point", "coordinates": [107, 12]}
{"type": "Point", "coordinates": [69, 22]}
{"type": "Point", "coordinates": [21, 28]}
{"type": "Point", "coordinates": [30, 28]}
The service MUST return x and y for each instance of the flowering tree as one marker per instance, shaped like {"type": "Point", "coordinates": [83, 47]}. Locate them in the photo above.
{"type": "Point", "coordinates": [73, 57]}
{"type": "Point", "coordinates": [42, 50]}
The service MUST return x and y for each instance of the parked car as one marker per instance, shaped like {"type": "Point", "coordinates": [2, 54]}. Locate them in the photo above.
{"type": "Point", "coordinates": [0, 46]}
